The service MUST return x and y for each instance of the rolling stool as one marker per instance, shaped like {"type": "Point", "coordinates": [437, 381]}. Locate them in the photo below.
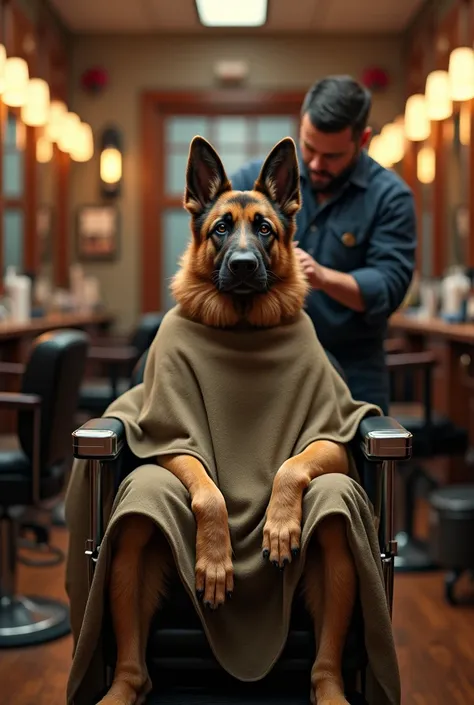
{"type": "Point", "coordinates": [451, 532]}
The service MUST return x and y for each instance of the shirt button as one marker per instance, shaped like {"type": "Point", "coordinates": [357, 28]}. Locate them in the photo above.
{"type": "Point", "coordinates": [313, 228]}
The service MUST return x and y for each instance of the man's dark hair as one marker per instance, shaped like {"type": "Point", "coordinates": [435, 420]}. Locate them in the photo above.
{"type": "Point", "coordinates": [338, 102]}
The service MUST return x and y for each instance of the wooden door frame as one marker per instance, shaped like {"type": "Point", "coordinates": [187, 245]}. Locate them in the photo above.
{"type": "Point", "coordinates": [155, 107]}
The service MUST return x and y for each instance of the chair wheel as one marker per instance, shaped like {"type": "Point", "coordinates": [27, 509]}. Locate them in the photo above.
{"type": "Point", "coordinates": [450, 583]}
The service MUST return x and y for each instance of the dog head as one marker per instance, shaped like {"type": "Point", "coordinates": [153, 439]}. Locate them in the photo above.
{"type": "Point", "coordinates": [240, 265]}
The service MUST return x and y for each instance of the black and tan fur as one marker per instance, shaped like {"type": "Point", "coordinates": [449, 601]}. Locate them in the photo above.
{"type": "Point", "coordinates": [239, 270]}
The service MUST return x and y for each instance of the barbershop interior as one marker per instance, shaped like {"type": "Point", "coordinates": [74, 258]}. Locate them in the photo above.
{"type": "Point", "coordinates": [178, 525]}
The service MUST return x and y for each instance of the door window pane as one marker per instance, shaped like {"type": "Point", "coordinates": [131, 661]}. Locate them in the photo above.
{"type": "Point", "coordinates": [176, 234]}
{"type": "Point", "coordinates": [182, 129]}
{"type": "Point", "coordinates": [272, 129]}
{"type": "Point", "coordinates": [175, 175]}
{"type": "Point", "coordinates": [228, 131]}
{"type": "Point", "coordinates": [13, 236]}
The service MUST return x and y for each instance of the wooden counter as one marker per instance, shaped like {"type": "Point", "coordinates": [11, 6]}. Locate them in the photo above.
{"type": "Point", "coordinates": [35, 326]}
{"type": "Point", "coordinates": [16, 340]}
{"type": "Point", "coordinates": [453, 376]}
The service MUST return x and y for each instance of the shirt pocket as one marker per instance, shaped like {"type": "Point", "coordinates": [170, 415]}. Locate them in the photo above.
{"type": "Point", "coordinates": [344, 247]}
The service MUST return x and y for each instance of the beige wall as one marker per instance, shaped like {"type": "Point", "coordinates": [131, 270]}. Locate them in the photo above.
{"type": "Point", "coordinates": [136, 64]}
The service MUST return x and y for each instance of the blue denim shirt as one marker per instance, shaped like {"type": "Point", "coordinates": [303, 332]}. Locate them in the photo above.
{"type": "Point", "coordinates": [368, 230]}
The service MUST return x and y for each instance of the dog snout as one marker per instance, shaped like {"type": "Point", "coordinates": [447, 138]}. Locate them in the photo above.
{"type": "Point", "coordinates": [243, 264]}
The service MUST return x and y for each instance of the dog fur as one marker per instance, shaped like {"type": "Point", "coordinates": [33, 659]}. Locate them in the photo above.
{"type": "Point", "coordinates": [261, 225]}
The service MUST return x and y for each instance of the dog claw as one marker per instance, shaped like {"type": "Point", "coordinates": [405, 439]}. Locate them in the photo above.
{"type": "Point", "coordinates": [266, 553]}
{"type": "Point", "coordinates": [229, 594]}
{"type": "Point", "coordinates": [295, 552]}
{"type": "Point", "coordinates": [199, 594]}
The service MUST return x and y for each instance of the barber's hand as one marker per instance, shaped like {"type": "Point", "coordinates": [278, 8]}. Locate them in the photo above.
{"type": "Point", "coordinates": [314, 272]}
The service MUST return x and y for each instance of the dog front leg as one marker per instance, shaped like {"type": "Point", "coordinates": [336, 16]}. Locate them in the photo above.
{"type": "Point", "coordinates": [330, 586]}
{"type": "Point", "coordinates": [139, 567]}
{"type": "Point", "coordinates": [214, 570]}
{"type": "Point", "coordinates": [282, 530]}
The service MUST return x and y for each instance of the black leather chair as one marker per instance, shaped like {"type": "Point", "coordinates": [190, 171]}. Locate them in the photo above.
{"type": "Point", "coordinates": [34, 474]}
{"type": "Point", "coordinates": [179, 658]}
{"type": "Point", "coordinates": [119, 359]}
{"type": "Point", "coordinates": [434, 435]}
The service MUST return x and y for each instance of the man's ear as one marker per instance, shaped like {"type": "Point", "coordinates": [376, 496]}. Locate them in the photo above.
{"type": "Point", "coordinates": [279, 177]}
{"type": "Point", "coordinates": [205, 177]}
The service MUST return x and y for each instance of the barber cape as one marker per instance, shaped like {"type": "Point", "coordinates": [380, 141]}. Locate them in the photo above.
{"type": "Point", "coordinates": [242, 402]}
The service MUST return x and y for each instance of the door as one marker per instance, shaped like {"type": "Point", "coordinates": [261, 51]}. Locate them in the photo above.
{"type": "Point", "coordinates": [239, 134]}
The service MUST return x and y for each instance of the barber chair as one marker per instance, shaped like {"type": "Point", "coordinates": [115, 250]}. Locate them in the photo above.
{"type": "Point", "coordinates": [180, 661]}
{"type": "Point", "coordinates": [97, 395]}
{"type": "Point", "coordinates": [33, 476]}
{"type": "Point", "coordinates": [434, 435]}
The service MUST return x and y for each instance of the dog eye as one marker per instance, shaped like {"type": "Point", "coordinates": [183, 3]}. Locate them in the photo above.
{"type": "Point", "coordinates": [221, 229]}
{"type": "Point", "coordinates": [264, 230]}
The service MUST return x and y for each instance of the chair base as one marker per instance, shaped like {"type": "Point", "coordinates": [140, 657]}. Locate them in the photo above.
{"type": "Point", "coordinates": [412, 555]}
{"type": "Point", "coordinates": [28, 621]}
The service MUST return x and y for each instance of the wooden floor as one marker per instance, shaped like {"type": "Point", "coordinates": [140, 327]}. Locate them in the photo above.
{"type": "Point", "coordinates": [435, 643]}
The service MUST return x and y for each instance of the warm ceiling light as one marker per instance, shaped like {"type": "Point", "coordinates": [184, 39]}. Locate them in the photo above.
{"type": "Point", "coordinates": [438, 96]}
{"type": "Point", "coordinates": [379, 152]}
{"type": "Point", "coordinates": [57, 111]}
{"type": "Point", "coordinates": [16, 82]}
{"type": "Point", "coordinates": [3, 61]}
{"type": "Point", "coordinates": [44, 150]}
{"type": "Point", "coordinates": [461, 73]}
{"type": "Point", "coordinates": [393, 137]}
{"type": "Point", "coordinates": [83, 148]}
{"type": "Point", "coordinates": [232, 13]}
{"type": "Point", "coordinates": [67, 137]}
{"type": "Point", "coordinates": [35, 111]}
{"type": "Point", "coordinates": [426, 165]}
{"type": "Point", "coordinates": [417, 122]}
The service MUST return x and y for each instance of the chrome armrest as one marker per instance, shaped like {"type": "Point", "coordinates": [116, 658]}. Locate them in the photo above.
{"type": "Point", "coordinates": [100, 442]}
{"type": "Point", "coordinates": [385, 442]}
{"type": "Point", "coordinates": [383, 438]}
{"type": "Point", "coordinates": [99, 439]}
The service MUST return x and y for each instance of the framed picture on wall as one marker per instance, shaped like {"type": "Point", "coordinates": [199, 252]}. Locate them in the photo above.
{"type": "Point", "coordinates": [97, 233]}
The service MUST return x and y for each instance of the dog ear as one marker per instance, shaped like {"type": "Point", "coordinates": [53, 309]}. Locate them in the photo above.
{"type": "Point", "coordinates": [279, 178]}
{"type": "Point", "coordinates": [206, 179]}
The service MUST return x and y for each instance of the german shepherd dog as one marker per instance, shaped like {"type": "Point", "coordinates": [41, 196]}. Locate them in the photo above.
{"type": "Point", "coordinates": [240, 269]}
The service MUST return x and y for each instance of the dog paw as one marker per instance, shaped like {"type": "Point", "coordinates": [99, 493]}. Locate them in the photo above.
{"type": "Point", "coordinates": [281, 537]}
{"type": "Point", "coordinates": [214, 570]}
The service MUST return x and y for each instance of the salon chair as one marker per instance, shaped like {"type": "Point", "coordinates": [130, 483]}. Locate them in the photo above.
{"type": "Point", "coordinates": [179, 659]}
{"type": "Point", "coordinates": [119, 358]}
{"type": "Point", "coordinates": [434, 435]}
{"type": "Point", "coordinates": [33, 476]}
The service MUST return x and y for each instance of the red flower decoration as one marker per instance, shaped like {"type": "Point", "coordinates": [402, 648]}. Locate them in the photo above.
{"type": "Point", "coordinates": [94, 80]}
{"type": "Point", "coordinates": [375, 79]}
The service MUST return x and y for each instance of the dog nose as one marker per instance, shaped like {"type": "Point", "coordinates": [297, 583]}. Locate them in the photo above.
{"type": "Point", "coordinates": [243, 263]}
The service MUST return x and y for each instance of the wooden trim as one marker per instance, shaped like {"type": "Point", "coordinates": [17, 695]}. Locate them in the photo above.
{"type": "Point", "coordinates": [61, 231]}
{"type": "Point", "coordinates": [439, 198]}
{"type": "Point", "coordinates": [155, 107]}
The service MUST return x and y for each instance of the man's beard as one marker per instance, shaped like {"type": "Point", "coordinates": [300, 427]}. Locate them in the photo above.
{"type": "Point", "coordinates": [333, 183]}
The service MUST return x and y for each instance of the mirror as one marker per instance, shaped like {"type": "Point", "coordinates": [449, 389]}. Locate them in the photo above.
{"type": "Point", "coordinates": [13, 174]}
{"type": "Point", "coordinates": [456, 143]}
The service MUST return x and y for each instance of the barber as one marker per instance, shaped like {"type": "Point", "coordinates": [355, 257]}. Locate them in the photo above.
{"type": "Point", "coordinates": [356, 233]}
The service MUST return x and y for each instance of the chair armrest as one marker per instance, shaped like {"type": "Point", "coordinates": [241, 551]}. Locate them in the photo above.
{"type": "Point", "coordinates": [383, 438]}
{"type": "Point", "coordinates": [16, 401]}
{"type": "Point", "coordinates": [413, 361]}
{"type": "Point", "coordinates": [11, 368]}
{"type": "Point", "coordinates": [113, 355]}
{"type": "Point", "coordinates": [99, 439]}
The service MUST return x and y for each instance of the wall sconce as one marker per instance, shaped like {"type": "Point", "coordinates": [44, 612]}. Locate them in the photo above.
{"type": "Point", "coordinates": [417, 122]}
{"type": "Point", "coordinates": [110, 163]}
